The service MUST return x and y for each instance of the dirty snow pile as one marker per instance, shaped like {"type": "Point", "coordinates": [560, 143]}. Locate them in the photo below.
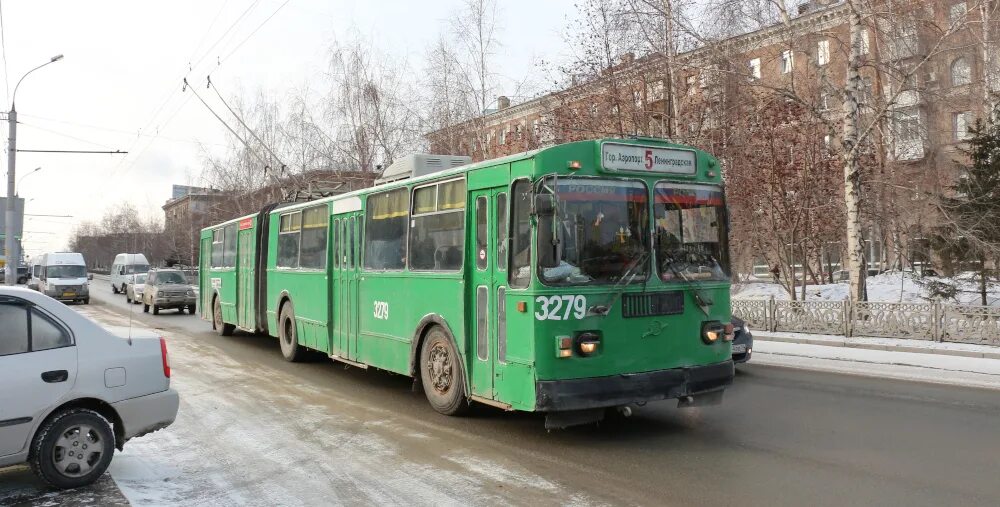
{"type": "Point", "coordinates": [892, 286]}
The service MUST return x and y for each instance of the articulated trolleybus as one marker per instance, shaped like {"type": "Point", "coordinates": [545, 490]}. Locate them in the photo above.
{"type": "Point", "coordinates": [567, 280]}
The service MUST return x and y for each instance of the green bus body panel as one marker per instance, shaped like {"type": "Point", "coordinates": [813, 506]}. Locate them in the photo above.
{"type": "Point", "coordinates": [335, 308]}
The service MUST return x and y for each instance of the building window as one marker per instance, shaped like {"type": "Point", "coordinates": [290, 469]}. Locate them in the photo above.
{"type": "Point", "coordinates": [957, 13]}
{"type": "Point", "coordinates": [787, 61]}
{"type": "Point", "coordinates": [865, 42]}
{"type": "Point", "coordinates": [437, 239]}
{"type": "Point", "coordinates": [386, 217]}
{"type": "Point", "coordinates": [535, 128]}
{"type": "Point", "coordinates": [692, 84]}
{"type": "Point", "coordinates": [961, 72]}
{"type": "Point", "coordinates": [755, 68]}
{"type": "Point", "coordinates": [823, 52]}
{"type": "Point", "coordinates": [824, 100]}
{"type": "Point", "coordinates": [503, 135]}
{"type": "Point", "coordinates": [962, 122]}
{"type": "Point", "coordinates": [908, 133]}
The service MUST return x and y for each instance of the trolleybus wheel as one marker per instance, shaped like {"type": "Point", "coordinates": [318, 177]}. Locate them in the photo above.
{"type": "Point", "coordinates": [291, 349]}
{"type": "Point", "coordinates": [441, 374]}
{"type": "Point", "coordinates": [217, 324]}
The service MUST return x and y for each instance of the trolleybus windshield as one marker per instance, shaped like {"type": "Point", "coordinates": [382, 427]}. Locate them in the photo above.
{"type": "Point", "coordinates": [601, 226]}
{"type": "Point", "coordinates": [690, 232]}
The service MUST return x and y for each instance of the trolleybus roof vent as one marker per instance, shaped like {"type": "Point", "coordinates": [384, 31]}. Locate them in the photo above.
{"type": "Point", "coordinates": [420, 164]}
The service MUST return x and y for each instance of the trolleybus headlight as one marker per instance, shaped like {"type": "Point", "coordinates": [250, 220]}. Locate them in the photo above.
{"type": "Point", "coordinates": [712, 331]}
{"type": "Point", "coordinates": [587, 344]}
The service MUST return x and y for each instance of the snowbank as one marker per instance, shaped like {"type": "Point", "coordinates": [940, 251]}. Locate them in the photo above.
{"type": "Point", "coordinates": [893, 287]}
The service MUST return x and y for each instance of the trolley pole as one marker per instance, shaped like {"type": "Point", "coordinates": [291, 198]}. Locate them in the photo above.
{"type": "Point", "coordinates": [9, 242]}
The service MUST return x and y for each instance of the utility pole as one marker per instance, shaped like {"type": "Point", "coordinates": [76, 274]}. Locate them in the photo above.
{"type": "Point", "coordinates": [11, 251]}
{"type": "Point", "coordinates": [9, 242]}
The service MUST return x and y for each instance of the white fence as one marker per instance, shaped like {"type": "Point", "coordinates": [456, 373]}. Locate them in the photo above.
{"type": "Point", "coordinates": [918, 321]}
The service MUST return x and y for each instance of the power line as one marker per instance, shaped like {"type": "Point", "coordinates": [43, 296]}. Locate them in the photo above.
{"type": "Point", "coordinates": [108, 129]}
{"type": "Point", "coordinates": [240, 18]}
{"type": "Point", "coordinates": [210, 27]}
{"type": "Point", "coordinates": [230, 129]}
{"type": "Point", "coordinates": [116, 152]}
{"type": "Point", "coordinates": [238, 46]}
{"type": "Point", "coordinates": [63, 135]}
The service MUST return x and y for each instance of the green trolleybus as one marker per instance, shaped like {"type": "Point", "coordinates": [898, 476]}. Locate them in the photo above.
{"type": "Point", "coordinates": [565, 280]}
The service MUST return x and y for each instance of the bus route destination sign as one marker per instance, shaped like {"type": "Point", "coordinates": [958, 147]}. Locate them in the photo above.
{"type": "Point", "coordinates": [627, 157]}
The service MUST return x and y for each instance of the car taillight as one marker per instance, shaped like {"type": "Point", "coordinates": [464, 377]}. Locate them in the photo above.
{"type": "Point", "coordinates": [163, 355]}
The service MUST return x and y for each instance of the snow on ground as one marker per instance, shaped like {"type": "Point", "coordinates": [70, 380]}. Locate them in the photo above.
{"type": "Point", "coordinates": [921, 367]}
{"type": "Point", "coordinates": [263, 437]}
{"type": "Point", "coordinates": [892, 286]}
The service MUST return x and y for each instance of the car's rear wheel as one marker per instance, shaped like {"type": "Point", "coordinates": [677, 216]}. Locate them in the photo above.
{"type": "Point", "coordinates": [114, 289]}
{"type": "Point", "coordinates": [291, 349]}
{"type": "Point", "coordinates": [123, 287]}
{"type": "Point", "coordinates": [192, 309]}
{"type": "Point", "coordinates": [156, 309]}
{"type": "Point", "coordinates": [441, 373]}
{"type": "Point", "coordinates": [217, 323]}
{"type": "Point", "coordinates": [73, 448]}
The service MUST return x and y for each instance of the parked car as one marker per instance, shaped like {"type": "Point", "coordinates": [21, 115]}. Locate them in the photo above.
{"type": "Point", "coordinates": [742, 341]}
{"type": "Point", "coordinates": [124, 267]}
{"type": "Point", "coordinates": [168, 288]}
{"type": "Point", "coordinates": [135, 287]}
{"type": "Point", "coordinates": [74, 391]}
{"type": "Point", "coordinates": [23, 275]}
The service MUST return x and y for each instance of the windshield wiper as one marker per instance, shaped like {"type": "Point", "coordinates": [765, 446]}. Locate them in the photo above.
{"type": "Point", "coordinates": [699, 298]}
{"type": "Point", "coordinates": [619, 287]}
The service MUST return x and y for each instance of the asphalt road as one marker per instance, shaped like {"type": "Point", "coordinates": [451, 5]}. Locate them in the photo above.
{"type": "Point", "coordinates": [781, 437]}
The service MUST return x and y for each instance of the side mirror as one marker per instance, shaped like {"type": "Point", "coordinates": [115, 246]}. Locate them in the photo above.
{"type": "Point", "coordinates": [545, 205]}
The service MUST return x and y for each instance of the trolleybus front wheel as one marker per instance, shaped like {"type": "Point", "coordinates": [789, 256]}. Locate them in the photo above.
{"type": "Point", "coordinates": [441, 374]}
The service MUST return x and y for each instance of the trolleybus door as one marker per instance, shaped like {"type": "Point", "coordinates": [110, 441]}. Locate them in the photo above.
{"type": "Point", "coordinates": [346, 317]}
{"type": "Point", "coordinates": [204, 278]}
{"type": "Point", "coordinates": [244, 280]}
{"type": "Point", "coordinates": [487, 291]}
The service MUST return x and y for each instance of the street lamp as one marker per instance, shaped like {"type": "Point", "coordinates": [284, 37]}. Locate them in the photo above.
{"type": "Point", "coordinates": [33, 171]}
{"type": "Point", "coordinates": [10, 245]}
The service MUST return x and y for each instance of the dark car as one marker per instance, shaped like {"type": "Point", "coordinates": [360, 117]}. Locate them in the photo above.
{"type": "Point", "coordinates": [23, 275]}
{"type": "Point", "coordinates": [742, 341]}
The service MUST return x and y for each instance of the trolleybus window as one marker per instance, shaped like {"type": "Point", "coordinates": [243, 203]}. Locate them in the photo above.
{"type": "Point", "coordinates": [229, 247]}
{"type": "Point", "coordinates": [289, 228]}
{"type": "Point", "coordinates": [502, 231]}
{"type": "Point", "coordinates": [520, 252]}
{"type": "Point", "coordinates": [691, 232]}
{"type": "Point", "coordinates": [217, 248]}
{"type": "Point", "coordinates": [335, 244]}
{"type": "Point", "coordinates": [482, 213]}
{"type": "Point", "coordinates": [599, 231]}
{"type": "Point", "coordinates": [437, 239]}
{"type": "Point", "coordinates": [385, 230]}
{"type": "Point", "coordinates": [312, 250]}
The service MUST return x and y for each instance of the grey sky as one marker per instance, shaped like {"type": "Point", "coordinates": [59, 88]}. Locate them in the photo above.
{"type": "Point", "coordinates": [125, 60]}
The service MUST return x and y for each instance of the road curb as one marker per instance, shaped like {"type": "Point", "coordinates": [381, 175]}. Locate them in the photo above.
{"type": "Point", "coordinates": [886, 347]}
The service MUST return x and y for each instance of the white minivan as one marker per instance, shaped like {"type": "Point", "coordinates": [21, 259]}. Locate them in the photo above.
{"type": "Point", "coordinates": [125, 267]}
{"type": "Point", "coordinates": [63, 276]}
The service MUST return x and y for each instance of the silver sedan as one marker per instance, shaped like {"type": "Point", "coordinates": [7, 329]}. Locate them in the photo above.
{"type": "Point", "coordinates": [72, 391]}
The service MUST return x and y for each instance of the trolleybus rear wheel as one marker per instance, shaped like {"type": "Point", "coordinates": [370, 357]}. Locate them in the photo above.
{"type": "Point", "coordinates": [217, 324]}
{"type": "Point", "coordinates": [441, 374]}
{"type": "Point", "coordinates": [291, 349]}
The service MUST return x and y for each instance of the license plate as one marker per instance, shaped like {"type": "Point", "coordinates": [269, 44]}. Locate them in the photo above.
{"type": "Point", "coordinates": [740, 348]}
{"type": "Point", "coordinates": [69, 294]}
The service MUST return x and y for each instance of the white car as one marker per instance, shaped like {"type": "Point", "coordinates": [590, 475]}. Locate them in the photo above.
{"type": "Point", "coordinates": [71, 391]}
{"type": "Point", "coordinates": [135, 287]}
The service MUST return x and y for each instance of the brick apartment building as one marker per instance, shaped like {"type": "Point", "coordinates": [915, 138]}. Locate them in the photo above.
{"type": "Point", "coordinates": [920, 92]}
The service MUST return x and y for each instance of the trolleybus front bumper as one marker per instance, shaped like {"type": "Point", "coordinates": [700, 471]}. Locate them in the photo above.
{"type": "Point", "coordinates": [628, 388]}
